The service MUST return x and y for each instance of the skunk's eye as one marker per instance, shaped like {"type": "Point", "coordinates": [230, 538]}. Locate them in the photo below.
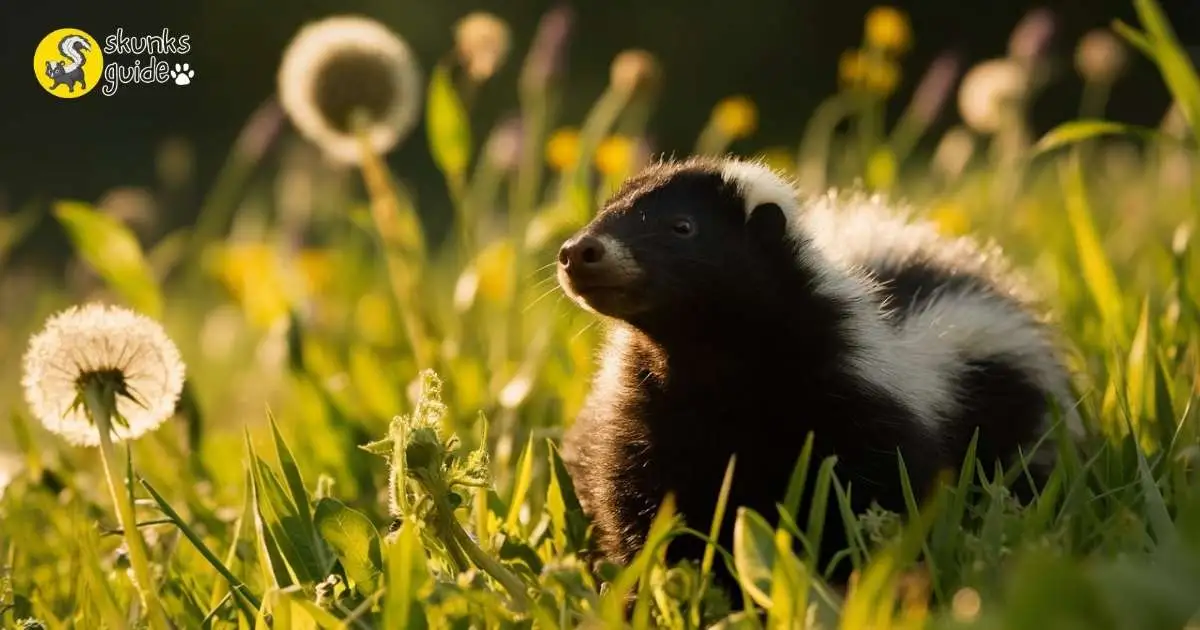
{"type": "Point", "coordinates": [683, 227]}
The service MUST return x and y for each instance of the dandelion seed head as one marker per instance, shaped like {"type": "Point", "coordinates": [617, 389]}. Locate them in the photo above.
{"type": "Point", "coordinates": [990, 91]}
{"type": "Point", "coordinates": [92, 339]}
{"type": "Point", "coordinates": [1100, 56]}
{"type": "Point", "coordinates": [482, 41]}
{"type": "Point", "coordinates": [341, 65]}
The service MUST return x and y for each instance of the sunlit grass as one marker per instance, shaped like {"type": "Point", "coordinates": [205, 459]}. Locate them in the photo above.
{"type": "Point", "coordinates": [367, 437]}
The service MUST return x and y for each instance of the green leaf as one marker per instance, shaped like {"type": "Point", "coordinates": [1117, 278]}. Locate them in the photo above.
{"type": "Point", "coordinates": [1137, 375]}
{"type": "Point", "coordinates": [282, 517]}
{"type": "Point", "coordinates": [448, 126]}
{"type": "Point", "coordinates": [407, 575]}
{"type": "Point", "coordinates": [274, 565]}
{"type": "Point", "coordinates": [754, 555]}
{"type": "Point", "coordinates": [355, 542]}
{"type": "Point", "coordinates": [245, 597]}
{"type": "Point", "coordinates": [111, 249]}
{"type": "Point", "coordinates": [1097, 272]}
{"type": "Point", "coordinates": [1075, 131]}
{"type": "Point", "coordinates": [520, 485]}
{"type": "Point", "coordinates": [1173, 62]}
{"type": "Point", "coordinates": [295, 482]}
{"type": "Point", "coordinates": [566, 514]}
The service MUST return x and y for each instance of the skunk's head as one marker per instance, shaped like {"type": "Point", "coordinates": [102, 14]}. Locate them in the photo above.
{"type": "Point", "coordinates": [695, 234]}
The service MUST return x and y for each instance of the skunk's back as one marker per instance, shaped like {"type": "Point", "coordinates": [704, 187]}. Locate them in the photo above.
{"type": "Point", "coordinates": [955, 305]}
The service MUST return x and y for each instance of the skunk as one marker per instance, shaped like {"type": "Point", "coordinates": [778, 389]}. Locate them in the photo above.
{"type": "Point", "coordinates": [741, 318]}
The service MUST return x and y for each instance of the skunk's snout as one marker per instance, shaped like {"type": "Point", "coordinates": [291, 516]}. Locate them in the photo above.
{"type": "Point", "coordinates": [582, 253]}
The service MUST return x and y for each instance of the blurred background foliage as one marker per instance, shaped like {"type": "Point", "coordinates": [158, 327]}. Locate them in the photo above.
{"type": "Point", "coordinates": [783, 54]}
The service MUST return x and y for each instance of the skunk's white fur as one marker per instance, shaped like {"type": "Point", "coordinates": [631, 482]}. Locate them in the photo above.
{"type": "Point", "coordinates": [914, 356]}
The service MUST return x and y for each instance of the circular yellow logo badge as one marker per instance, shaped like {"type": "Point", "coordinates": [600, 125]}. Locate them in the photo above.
{"type": "Point", "coordinates": [68, 63]}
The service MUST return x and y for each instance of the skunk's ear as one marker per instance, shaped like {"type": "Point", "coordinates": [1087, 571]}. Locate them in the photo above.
{"type": "Point", "coordinates": [767, 224]}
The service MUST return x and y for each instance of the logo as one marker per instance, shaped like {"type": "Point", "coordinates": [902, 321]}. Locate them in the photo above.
{"type": "Point", "coordinates": [68, 63]}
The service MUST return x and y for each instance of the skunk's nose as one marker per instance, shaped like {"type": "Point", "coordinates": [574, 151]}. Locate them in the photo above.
{"type": "Point", "coordinates": [581, 253]}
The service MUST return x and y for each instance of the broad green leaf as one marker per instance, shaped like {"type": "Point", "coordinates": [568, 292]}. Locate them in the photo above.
{"type": "Point", "coordinates": [448, 126]}
{"type": "Point", "coordinates": [407, 575]}
{"type": "Point", "coordinates": [111, 249]}
{"type": "Point", "coordinates": [355, 542]}
{"type": "Point", "coordinates": [754, 555]}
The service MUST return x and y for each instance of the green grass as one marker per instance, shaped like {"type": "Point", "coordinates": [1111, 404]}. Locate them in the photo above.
{"type": "Point", "coordinates": [382, 452]}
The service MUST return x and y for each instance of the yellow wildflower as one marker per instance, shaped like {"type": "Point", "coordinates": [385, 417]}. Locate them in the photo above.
{"type": "Point", "coordinates": [888, 29]}
{"type": "Point", "coordinates": [781, 159]}
{"type": "Point", "coordinates": [374, 318]}
{"type": "Point", "coordinates": [562, 149]}
{"type": "Point", "coordinates": [255, 275]}
{"type": "Point", "coordinates": [873, 73]}
{"type": "Point", "coordinates": [614, 156]}
{"type": "Point", "coordinates": [495, 267]}
{"type": "Point", "coordinates": [735, 117]}
{"type": "Point", "coordinates": [881, 169]}
{"type": "Point", "coordinates": [951, 219]}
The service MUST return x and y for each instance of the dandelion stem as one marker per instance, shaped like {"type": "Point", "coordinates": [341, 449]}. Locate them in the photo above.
{"type": "Point", "coordinates": [101, 400]}
{"type": "Point", "coordinates": [385, 211]}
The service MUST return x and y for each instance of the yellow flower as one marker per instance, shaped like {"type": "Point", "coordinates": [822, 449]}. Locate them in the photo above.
{"type": "Point", "coordinates": [881, 169]}
{"type": "Point", "coordinates": [374, 318]}
{"type": "Point", "coordinates": [735, 117]}
{"type": "Point", "coordinates": [562, 149]}
{"type": "Point", "coordinates": [780, 159]}
{"type": "Point", "coordinates": [495, 266]}
{"type": "Point", "coordinates": [872, 73]}
{"type": "Point", "coordinates": [888, 29]}
{"type": "Point", "coordinates": [614, 156]}
{"type": "Point", "coordinates": [255, 275]}
{"type": "Point", "coordinates": [951, 219]}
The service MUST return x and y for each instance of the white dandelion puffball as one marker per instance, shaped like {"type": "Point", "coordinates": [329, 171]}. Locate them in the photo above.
{"type": "Point", "coordinates": [989, 91]}
{"type": "Point", "coordinates": [82, 341]}
{"type": "Point", "coordinates": [343, 64]}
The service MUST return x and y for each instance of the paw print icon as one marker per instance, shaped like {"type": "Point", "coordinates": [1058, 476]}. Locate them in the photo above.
{"type": "Point", "coordinates": [182, 73]}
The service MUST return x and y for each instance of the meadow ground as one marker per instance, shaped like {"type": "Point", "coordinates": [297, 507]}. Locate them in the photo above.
{"type": "Point", "coordinates": [366, 434]}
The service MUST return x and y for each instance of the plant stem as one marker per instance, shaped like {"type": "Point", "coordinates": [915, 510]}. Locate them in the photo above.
{"type": "Point", "coordinates": [510, 582]}
{"type": "Point", "coordinates": [101, 402]}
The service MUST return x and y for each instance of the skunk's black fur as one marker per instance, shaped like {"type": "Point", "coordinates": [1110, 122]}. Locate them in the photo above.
{"type": "Point", "coordinates": [736, 326]}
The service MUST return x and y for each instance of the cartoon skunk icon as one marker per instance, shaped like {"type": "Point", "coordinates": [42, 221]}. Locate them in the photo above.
{"type": "Point", "coordinates": [72, 47]}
